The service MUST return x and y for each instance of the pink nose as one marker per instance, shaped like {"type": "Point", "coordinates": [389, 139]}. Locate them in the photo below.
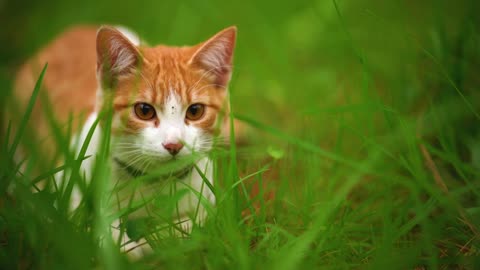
{"type": "Point", "coordinates": [173, 148]}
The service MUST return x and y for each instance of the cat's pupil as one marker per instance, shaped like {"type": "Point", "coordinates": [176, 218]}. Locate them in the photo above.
{"type": "Point", "coordinates": [145, 109]}
{"type": "Point", "coordinates": [194, 109]}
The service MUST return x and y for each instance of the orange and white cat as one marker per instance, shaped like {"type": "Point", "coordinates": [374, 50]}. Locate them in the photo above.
{"type": "Point", "coordinates": [167, 105]}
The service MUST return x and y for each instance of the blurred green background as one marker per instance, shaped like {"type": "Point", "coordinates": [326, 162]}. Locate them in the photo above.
{"type": "Point", "coordinates": [344, 94]}
{"type": "Point", "coordinates": [289, 54]}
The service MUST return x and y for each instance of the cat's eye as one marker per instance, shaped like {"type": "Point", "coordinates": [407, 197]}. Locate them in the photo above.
{"type": "Point", "coordinates": [195, 111]}
{"type": "Point", "coordinates": [144, 111]}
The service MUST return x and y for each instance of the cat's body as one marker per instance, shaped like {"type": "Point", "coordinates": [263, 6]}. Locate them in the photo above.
{"type": "Point", "coordinates": [167, 105]}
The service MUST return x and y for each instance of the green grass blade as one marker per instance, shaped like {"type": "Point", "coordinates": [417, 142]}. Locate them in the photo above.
{"type": "Point", "coordinates": [28, 112]}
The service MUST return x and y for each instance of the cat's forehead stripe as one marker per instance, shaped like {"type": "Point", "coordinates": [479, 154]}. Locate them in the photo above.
{"type": "Point", "coordinates": [169, 75]}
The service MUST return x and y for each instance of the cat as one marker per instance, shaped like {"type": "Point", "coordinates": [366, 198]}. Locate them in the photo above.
{"type": "Point", "coordinates": [168, 104]}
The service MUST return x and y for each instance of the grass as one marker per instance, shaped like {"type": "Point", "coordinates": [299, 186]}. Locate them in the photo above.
{"type": "Point", "coordinates": [362, 116]}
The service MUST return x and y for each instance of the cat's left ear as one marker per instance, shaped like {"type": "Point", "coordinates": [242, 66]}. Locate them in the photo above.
{"type": "Point", "coordinates": [215, 56]}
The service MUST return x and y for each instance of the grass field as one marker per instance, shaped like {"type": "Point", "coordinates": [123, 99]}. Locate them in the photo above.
{"type": "Point", "coordinates": [363, 116]}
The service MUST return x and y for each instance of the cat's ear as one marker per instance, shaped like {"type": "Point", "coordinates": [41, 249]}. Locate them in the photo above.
{"type": "Point", "coordinates": [117, 56]}
{"type": "Point", "coordinates": [215, 56]}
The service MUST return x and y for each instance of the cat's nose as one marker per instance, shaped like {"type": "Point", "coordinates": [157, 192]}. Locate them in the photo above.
{"type": "Point", "coordinates": [173, 148]}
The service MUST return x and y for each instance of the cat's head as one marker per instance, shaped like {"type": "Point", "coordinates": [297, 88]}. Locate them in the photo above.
{"type": "Point", "coordinates": [168, 102]}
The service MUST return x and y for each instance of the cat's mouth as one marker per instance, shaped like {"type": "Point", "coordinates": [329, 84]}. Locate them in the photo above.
{"type": "Point", "coordinates": [178, 172]}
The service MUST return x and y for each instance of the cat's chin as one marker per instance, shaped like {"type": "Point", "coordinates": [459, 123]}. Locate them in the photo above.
{"type": "Point", "coordinates": [167, 167]}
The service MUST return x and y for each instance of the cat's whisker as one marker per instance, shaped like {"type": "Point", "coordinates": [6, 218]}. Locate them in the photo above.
{"type": "Point", "coordinates": [126, 146]}
{"type": "Point", "coordinates": [212, 84]}
{"type": "Point", "coordinates": [127, 143]}
{"type": "Point", "coordinates": [150, 85]}
{"type": "Point", "coordinates": [129, 152]}
{"type": "Point", "coordinates": [127, 149]}
{"type": "Point", "coordinates": [129, 155]}
{"type": "Point", "coordinates": [146, 165]}
{"type": "Point", "coordinates": [133, 161]}
{"type": "Point", "coordinates": [142, 166]}
{"type": "Point", "coordinates": [205, 73]}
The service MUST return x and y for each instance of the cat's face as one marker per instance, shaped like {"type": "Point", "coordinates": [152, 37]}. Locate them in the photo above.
{"type": "Point", "coordinates": [168, 102]}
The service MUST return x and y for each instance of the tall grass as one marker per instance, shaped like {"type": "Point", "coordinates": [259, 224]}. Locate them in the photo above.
{"type": "Point", "coordinates": [362, 116]}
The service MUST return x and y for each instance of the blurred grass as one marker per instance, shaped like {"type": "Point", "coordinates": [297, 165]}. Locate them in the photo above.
{"type": "Point", "coordinates": [358, 108]}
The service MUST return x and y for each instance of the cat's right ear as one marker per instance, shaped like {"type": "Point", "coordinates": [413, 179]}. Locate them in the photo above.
{"type": "Point", "coordinates": [117, 57]}
{"type": "Point", "coordinates": [215, 56]}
